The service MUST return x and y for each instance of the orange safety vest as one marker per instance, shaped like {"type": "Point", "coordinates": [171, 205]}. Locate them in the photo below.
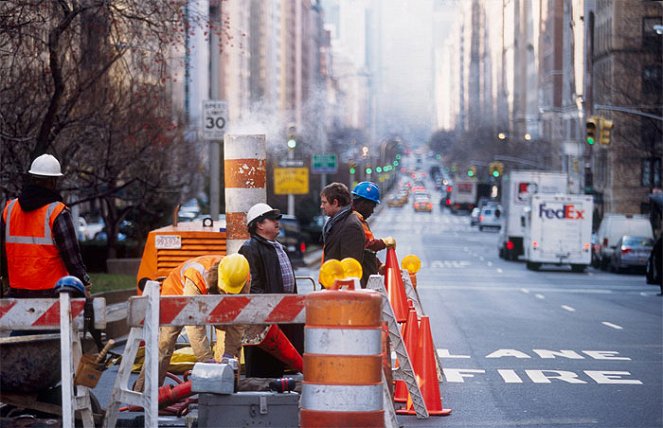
{"type": "Point", "coordinates": [33, 259]}
{"type": "Point", "coordinates": [367, 230]}
{"type": "Point", "coordinates": [194, 269]}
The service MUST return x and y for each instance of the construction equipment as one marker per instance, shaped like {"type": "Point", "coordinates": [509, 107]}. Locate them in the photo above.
{"type": "Point", "coordinates": [167, 247]}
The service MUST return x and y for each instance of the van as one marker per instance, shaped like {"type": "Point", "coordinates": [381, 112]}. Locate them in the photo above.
{"type": "Point", "coordinates": [613, 227]}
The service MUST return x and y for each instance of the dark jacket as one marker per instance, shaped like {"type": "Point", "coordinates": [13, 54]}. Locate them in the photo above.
{"type": "Point", "coordinates": [266, 278]}
{"type": "Point", "coordinates": [264, 263]}
{"type": "Point", "coordinates": [345, 238]}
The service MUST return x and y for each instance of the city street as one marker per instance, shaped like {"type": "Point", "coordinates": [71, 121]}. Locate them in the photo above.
{"type": "Point", "coordinates": [523, 348]}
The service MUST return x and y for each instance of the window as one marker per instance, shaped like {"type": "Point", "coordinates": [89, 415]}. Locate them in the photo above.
{"type": "Point", "coordinates": [650, 39]}
{"type": "Point", "coordinates": [652, 76]}
{"type": "Point", "coordinates": [651, 172]}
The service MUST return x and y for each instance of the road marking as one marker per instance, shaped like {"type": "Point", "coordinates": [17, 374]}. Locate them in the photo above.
{"type": "Point", "coordinates": [499, 270]}
{"type": "Point", "coordinates": [568, 308]}
{"type": "Point", "coordinates": [481, 258]}
{"type": "Point", "coordinates": [539, 296]}
{"type": "Point", "coordinates": [490, 263]}
{"type": "Point", "coordinates": [611, 325]}
{"type": "Point", "coordinates": [524, 290]}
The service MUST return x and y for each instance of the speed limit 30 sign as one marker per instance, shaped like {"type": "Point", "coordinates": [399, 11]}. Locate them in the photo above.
{"type": "Point", "coordinates": [215, 119]}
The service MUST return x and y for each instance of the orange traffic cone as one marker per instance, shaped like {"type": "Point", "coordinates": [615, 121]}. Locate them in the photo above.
{"type": "Point", "coordinates": [411, 338]}
{"type": "Point", "coordinates": [395, 287]}
{"type": "Point", "coordinates": [277, 344]}
{"type": "Point", "coordinates": [425, 368]}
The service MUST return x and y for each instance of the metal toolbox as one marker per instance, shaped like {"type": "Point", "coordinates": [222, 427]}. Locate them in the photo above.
{"type": "Point", "coordinates": [248, 409]}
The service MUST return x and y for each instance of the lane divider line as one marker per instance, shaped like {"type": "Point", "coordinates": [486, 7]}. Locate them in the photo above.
{"type": "Point", "coordinates": [568, 308]}
{"type": "Point", "coordinates": [524, 290]}
{"type": "Point", "coordinates": [611, 325]}
{"type": "Point", "coordinates": [539, 296]}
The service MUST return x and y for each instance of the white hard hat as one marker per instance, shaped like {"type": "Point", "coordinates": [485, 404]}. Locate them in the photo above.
{"type": "Point", "coordinates": [46, 166]}
{"type": "Point", "coordinates": [259, 210]}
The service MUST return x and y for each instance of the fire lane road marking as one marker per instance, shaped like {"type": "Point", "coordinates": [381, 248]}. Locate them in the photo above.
{"type": "Point", "coordinates": [611, 325]}
{"type": "Point", "coordinates": [568, 308]}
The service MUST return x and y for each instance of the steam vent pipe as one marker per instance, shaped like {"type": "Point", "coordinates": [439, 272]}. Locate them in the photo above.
{"type": "Point", "coordinates": [245, 172]}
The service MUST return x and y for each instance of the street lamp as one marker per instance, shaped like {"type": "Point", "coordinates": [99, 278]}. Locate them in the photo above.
{"type": "Point", "coordinates": [501, 136]}
{"type": "Point", "coordinates": [528, 136]}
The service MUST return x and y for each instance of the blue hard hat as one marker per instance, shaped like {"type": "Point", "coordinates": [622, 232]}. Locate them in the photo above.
{"type": "Point", "coordinates": [367, 190]}
{"type": "Point", "coordinates": [70, 284]}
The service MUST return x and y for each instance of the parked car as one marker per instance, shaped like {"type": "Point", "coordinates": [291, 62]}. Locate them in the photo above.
{"type": "Point", "coordinates": [631, 252]}
{"type": "Point", "coordinates": [313, 231]}
{"type": "Point", "coordinates": [489, 216]}
{"type": "Point", "coordinates": [474, 217]}
{"type": "Point", "coordinates": [291, 237]}
{"type": "Point", "coordinates": [614, 226]}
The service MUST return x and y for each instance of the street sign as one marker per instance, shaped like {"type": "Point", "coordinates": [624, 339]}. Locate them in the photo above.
{"type": "Point", "coordinates": [215, 119]}
{"type": "Point", "coordinates": [324, 164]}
{"type": "Point", "coordinates": [291, 162]}
{"type": "Point", "coordinates": [291, 181]}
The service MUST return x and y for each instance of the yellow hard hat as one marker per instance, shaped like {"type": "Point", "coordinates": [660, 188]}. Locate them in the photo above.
{"type": "Point", "coordinates": [351, 268]}
{"type": "Point", "coordinates": [233, 273]}
{"type": "Point", "coordinates": [330, 271]}
{"type": "Point", "coordinates": [411, 263]}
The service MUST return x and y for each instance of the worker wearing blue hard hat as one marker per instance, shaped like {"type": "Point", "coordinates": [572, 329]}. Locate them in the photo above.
{"type": "Point", "coordinates": [365, 197]}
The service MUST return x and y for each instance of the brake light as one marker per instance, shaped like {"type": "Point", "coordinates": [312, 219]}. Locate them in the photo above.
{"type": "Point", "coordinates": [449, 189]}
{"type": "Point", "coordinates": [626, 250]}
{"type": "Point", "coordinates": [535, 244]}
{"type": "Point", "coordinates": [586, 246]}
{"type": "Point", "coordinates": [510, 245]}
{"type": "Point", "coordinates": [447, 201]}
{"type": "Point", "coordinates": [481, 218]}
{"type": "Point", "coordinates": [302, 247]}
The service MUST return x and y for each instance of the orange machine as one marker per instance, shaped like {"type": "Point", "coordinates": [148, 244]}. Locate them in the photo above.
{"type": "Point", "coordinates": [169, 246]}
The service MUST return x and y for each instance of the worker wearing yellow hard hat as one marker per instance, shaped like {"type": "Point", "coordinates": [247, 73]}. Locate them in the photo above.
{"type": "Point", "coordinates": [211, 274]}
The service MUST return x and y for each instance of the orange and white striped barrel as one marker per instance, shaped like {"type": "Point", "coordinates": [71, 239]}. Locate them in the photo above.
{"type": "Point", "coordinates": [342, 360]}
{"type": "Point", "coordinates": [245, 174]}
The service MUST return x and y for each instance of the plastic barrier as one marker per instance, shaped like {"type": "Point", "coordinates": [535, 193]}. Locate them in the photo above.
{"type": "Point", "coordinates": [58, 314]}
{"type": "Point", "coordinates": [146, 313]}
{"type": "Point", "coordinates": [342, 360]}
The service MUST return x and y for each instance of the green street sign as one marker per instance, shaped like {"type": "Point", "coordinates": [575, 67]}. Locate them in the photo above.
{"type": "Point", "coordinates": [324, 164]}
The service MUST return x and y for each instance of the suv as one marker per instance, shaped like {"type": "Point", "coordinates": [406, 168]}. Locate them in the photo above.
{"type": "Point", "coordinates": [291, 237]}
{"type": "Point", "coordinates": [489, 216]}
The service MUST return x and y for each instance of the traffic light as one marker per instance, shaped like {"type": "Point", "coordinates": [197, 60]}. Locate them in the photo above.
{"type": "Point", "coordinates": [369, 170]}
{"type": "Point", "coordinates": [592, 129]}
{"type": "Point", "coordinates": [606, 127]}
{"type": "Point", "coordinates": [353, 167]}
{"type": "Point", "coordinates": [495, 169]}
{"type": "Point", "coordinates": [472, 171]}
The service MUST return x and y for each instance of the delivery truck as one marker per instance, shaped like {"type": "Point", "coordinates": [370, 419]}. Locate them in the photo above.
{"type": "Point", "coordinates": [558, 230]}
{"type": "Point", "coordinates": [517, 190]}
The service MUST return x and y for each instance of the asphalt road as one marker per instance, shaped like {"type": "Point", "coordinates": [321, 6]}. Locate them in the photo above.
{"type": "Point", "coordinates": [531, 349]}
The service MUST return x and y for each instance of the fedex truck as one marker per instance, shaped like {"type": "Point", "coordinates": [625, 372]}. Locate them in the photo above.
{"type": "Point", "coordinates": [558, 230]}
{"type": "Point", "coordinates": [517, 190]}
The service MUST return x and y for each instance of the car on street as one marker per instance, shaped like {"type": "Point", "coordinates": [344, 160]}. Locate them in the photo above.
{"type": "Point", "coordinates": [631, 252]}
{"type": "Point", "coordinates": [490, 217]}
{"type": "Point", "coordinates": [422, 203]}
{"type": "Point", "coordinates": [474, 217]}
{"type": "Point", "coordinates": [397, 201]}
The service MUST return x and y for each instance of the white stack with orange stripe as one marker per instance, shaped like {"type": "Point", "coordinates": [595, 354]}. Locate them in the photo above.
{"type": "Point", "coordinates": [245, 174]}
{"type": "Point", "coordinates": [342, 360]}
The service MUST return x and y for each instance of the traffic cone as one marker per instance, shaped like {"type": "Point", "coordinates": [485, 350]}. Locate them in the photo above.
{"type": "Point", "coordinates": [277, 344]}
{"type": "Point", "coordinates": [425, 367]}
{"type": "Point", "coordinates": [410, 334]}
{"type": "Point", "coordinates": [395, 287]}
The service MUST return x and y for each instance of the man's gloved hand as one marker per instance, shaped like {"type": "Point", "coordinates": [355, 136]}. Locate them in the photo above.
{"type": "Point", "coordinates": [389, 242]}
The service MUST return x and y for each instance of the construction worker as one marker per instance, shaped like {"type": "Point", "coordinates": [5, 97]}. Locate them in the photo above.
{"type": "Point", "coordinates": [199, 276]}
{"type": "Point", "coordinates": [39, 242]}
{"type": "Point", "coordinates": [365, 197]}
{"type": "Point", "coordinates": [342, 234]}
{"type": "Point", "coordinates": [271, 272]}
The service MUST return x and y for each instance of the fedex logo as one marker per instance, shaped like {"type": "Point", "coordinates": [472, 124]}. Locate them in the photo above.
{"type": "Point", "coordinates": [565, 212]}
